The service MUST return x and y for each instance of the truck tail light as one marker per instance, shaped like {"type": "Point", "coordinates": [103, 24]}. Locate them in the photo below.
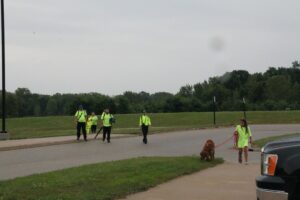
{"type": "Point", "coordinates": [269, 164]}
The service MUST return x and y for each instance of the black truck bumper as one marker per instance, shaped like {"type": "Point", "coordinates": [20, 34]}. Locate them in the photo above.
{"type": "Point", "coordinates": [270, 188]}
{"type": "Point", "coordinates": [263, 194]}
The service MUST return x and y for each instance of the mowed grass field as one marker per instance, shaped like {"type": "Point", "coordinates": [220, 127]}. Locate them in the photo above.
{"type": "Point", "coordinates": [37, 127]}
{"type": "Point", "coordinates": [262, 142]}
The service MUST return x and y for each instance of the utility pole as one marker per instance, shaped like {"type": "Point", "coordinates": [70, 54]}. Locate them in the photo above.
{"type": "Point", "coordinates": [3, 132]}
{"type": "Point", "coordinates": [244, 108]}
{"type": "Point", "coordinates": [214, 108]}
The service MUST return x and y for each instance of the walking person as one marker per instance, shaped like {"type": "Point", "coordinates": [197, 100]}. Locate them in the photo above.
{"type": "Point", "coordinates": [89, 123]}
{"type": "Point", "coordinates": [145, 122]}
{"type": "Point", "coordinates": [94, 123]}
{"type": "Point", "coordinates": [107, 120]}
{"type": "Point", "coordinates": [80, 120]}
{"type": "Point", "coordinates": [243, 136]}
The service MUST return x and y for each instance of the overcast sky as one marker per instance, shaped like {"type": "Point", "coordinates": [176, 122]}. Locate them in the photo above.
{"type": "Point", "coordinates": [112, 46]}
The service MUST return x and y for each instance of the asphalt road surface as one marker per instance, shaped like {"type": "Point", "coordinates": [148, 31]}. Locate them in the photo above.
{"type": "Point", "coordinates": [18, 163]}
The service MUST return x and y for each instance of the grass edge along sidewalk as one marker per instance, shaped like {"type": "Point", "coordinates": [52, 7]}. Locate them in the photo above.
{"type": "Point", "coordinates": [110, 180]}
{"type": "Point", "coordinates": [40, 127]}
{"type": "Point", "coordinates": [262, 142]}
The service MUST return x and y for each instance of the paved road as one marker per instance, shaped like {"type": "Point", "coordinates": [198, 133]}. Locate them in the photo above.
{"type": "Point", "coordinates": [24, 162]}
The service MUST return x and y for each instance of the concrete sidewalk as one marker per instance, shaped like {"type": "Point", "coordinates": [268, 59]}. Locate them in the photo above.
{"type": "Point", "coordinates": [227, 181]}
{"type": "Point", "coordinates": [7, 145]}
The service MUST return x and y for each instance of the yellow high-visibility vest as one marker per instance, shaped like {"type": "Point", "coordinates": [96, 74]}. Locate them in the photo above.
{"type": "Point", "coordinates": [145, 120]}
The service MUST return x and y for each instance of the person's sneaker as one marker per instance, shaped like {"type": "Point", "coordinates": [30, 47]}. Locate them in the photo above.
{"type": "Point", "coordinates": [246, 163]}
{"type": "Point", "coordinates": [108, 141]}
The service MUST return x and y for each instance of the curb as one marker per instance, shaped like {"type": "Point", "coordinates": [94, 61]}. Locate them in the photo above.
{"type": "Point", "coordinates": [44, 144]}
{"type": "Point", "coordinates": [28, 146]}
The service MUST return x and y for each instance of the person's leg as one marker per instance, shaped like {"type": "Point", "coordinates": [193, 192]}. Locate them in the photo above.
{"type": "Point", "coordinates": [108, 134]}
{"type": "Point", "coordinates": [104, 133]}
{"type": "Point", "coordinates": [84, 131]}
{"type": "Point", "coordinates": [78, 130]}
{"type": "Point", "coordinates": [94, 129]}
{"type": "Point", "coordinates": [246, 154]}
{"type": "Point", "coordinates": [145, 134]}
{"type": "Point", "coordinates": [240, 155]}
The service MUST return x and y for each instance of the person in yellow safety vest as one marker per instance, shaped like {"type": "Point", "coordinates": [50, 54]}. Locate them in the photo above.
{"type": "Point", "coordinates": [243, 136]}
{"type": "Point", "coordinates": [80, 120]}
{"type": "Point", "coordinates": [145, 122]}
{"type": "Point", "coordinates": [89, 124]}
{"type": "Point", "coordinates": [106, 118]}
{"type": "Point", "coordinates": [94, 122]}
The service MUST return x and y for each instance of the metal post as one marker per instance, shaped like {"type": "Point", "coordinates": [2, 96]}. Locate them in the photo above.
{"type": "Point", "coordinates": [244, 103]}
{"type": "Point", "coordinates": [214, 105]}
{"type": "Point", "coordinates": [3, 69]}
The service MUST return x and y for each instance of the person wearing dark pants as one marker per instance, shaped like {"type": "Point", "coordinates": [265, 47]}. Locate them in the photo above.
{"type": "Point", "coordinates": [145, 130]}
{"type": "Point", "coordinates": [106, 118]}
{"type": "Point", "coordinates": [80, 119]}
{"type": "Point", "coordinates": [81, 126]}
{"type": "Point", "coordinates": [106, 133]}
{"type": "Point", "coordinates": [94, 129]}
{"type": "Point", "coordinates": [145, 122]}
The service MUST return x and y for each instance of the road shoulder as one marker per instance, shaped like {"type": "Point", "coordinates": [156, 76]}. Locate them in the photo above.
{"type": "Point", "coordinates": [8, 145]}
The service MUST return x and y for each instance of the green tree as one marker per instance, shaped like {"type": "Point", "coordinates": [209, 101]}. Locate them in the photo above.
{"type": "Point", "coordinates": [186, 91]}
{"type": "Point", "coordinates": [52, 107]}
{"type": "Point", "coordinates": [278, 88]}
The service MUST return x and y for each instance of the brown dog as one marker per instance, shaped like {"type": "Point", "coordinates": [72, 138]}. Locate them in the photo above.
{"type": "Point", "coordinates": [208, 152]}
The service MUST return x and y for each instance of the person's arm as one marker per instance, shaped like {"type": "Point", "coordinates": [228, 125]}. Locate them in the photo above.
{"type": "Point", "coordinates": [140, 121]}
{"type": "Point", "coordinates": [99, 122]}
{"type": "Point", "coordinates": [102, 119]}
{"type": "Point", "coordinates": [111, 117]}
{"type": "Point", "coordinates": [75, 117]}
{"type": "Point", "coordinates": [149, 121]}
{"type": "Point", "coordinates": [85, 116]}
{"type": "Point", "coordinates": [96, 120]}
{"type": "Point", "coordinates": [250, 136]}
{"type": "Point", "coordinates": [236, 138]}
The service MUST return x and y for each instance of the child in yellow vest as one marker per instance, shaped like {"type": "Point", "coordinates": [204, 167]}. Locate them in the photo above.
{"type": "Point", "coordinates": [243, 136]}
{"type": "Point", "coordinates": [89, 124]}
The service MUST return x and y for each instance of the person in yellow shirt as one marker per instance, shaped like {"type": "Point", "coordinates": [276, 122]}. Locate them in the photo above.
{"type": "Point", "coordinates": [94, 122]}
{"type": "Point", "coordinates": [89, 124]}
{"type": "Point", "coordinates": [243, 136]}
{"type": "Point", "coordinates": [107, 120]}
{"type": "Point", "coordinates": [145, 122]}
{"type": "Point", "coordinates": [80, 120]}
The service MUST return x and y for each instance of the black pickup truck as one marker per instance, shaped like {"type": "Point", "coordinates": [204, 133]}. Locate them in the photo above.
{"type": "Point", "coordinates": [280, 171]}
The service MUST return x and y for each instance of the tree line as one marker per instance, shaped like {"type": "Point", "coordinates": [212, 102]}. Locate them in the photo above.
{"type": "Point", "coordinates": [275, 89]}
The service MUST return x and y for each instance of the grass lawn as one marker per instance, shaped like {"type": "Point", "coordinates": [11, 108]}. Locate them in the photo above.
{"type": "Point", "coordinates": [262, 142]}
{"type": "Point", "coordinates": [110, 180]}
{"type": "Point", "coordinates": [64, 125]}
